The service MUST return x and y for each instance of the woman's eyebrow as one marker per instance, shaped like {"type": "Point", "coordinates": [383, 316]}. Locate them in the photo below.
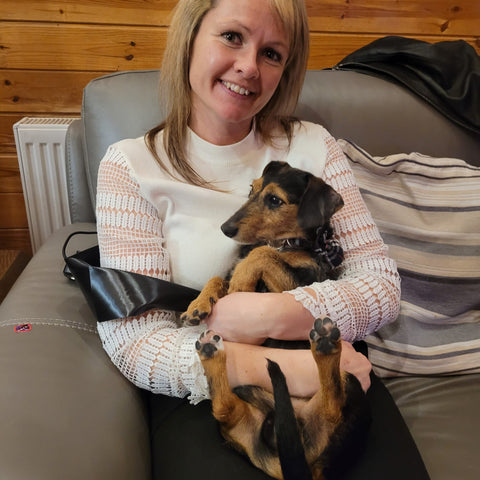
{"type": "Point", "coordinates": [233, 23]}
{"type": "Point", "coordinates": [279, 43]}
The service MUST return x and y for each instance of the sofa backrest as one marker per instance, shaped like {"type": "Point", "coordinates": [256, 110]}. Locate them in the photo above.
{"type": "Point", "coordinates": [378, 115]}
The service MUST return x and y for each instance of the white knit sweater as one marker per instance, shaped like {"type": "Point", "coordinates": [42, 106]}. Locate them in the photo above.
{"type": "Point", "coordinates": [152, 224]}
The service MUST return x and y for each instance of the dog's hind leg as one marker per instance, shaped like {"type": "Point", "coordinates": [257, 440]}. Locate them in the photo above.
{"type": "Point", "coordinates": [227, 407]}
{"type": "Point", "coordinates": [323, 412]}
{"type": "Point", "coordinates": [326, 347]}
{"type": "Point", "coordinates": [239, 421]}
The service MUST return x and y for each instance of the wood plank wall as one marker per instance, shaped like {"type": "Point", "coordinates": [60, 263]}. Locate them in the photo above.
{"type": "Point", "coordinates": [49, 50]}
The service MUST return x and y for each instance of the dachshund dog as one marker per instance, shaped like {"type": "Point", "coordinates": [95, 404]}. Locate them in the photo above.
{"type": "Point", "coordinates": [287, 241]}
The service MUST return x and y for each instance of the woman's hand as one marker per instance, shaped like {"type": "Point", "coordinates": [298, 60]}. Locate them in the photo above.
{"type": "Point", "coordinates": [238, 318]}
{"type": "Point", "coordinates": [357, 364]}
{"type": "Point", "coordinates": [251, 318]}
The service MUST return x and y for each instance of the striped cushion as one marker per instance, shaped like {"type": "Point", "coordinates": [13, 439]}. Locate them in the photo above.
{"type": "Point", "coordinates": [428, 212]}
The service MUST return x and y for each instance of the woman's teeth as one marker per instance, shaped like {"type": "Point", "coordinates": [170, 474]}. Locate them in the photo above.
{"type": "Point", "coordinates": [236, 88]}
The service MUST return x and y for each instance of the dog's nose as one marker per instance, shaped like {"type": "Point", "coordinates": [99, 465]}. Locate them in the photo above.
{"type": "Point", "coordinates": [229, 229]}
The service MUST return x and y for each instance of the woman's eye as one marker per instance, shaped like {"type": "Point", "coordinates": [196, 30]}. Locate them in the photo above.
{"type": "Point", "coordinates": [273, 55]}
{"type": "Point", "coordinates": [231, 37]}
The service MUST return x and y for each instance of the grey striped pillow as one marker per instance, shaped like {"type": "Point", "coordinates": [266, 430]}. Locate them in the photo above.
{"type": "Point", "coordinates": [428, 213]}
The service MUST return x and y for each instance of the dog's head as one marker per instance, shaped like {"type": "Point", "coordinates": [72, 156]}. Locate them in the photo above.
{"type": "Point", "coordinates": [284, 203]}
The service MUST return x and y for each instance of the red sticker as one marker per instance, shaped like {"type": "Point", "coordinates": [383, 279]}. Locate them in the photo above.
{"type": "Point", "coordinates": [23, 327]}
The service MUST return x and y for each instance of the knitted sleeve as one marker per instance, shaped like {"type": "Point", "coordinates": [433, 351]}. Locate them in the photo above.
{"type": "Point", "coordinates": [149, 349]}
{"type": "Point", "coordinates": [367, 293]}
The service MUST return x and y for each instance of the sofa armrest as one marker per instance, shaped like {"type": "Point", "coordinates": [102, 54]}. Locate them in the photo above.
{"type": "Point", "coordinates": [65, 410]}
{"type": "Point", "coordinates": [81, 209]}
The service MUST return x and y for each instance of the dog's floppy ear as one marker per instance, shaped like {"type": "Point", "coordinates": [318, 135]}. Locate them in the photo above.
{"type": "Point", "coordinates": [317, 205]}
{"type": "Point", "coordinates": [274, 168]}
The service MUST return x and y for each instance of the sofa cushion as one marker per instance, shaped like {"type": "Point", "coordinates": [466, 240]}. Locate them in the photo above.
{"type": "Point", "coordinates": [428, 213]}
{"type": "Point", "coordinates": [442, 415]}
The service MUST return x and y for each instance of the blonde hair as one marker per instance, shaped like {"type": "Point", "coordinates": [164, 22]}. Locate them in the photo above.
{"type": "Point", "coordinates": [175, 84]}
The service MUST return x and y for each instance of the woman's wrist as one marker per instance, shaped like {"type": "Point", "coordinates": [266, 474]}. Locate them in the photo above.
{"type": "Point", "coordinates": [287, 319]}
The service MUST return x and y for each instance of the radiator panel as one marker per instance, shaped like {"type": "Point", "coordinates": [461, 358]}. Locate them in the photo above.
{"type": "Point", "coordinates": [41, 155]}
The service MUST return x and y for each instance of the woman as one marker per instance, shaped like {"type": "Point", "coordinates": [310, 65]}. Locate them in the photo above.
{"type": "Point", "coordinates": [233, 70]}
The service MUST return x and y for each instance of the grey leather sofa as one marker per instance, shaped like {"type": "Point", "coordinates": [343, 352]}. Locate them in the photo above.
{"type": "Point", "coordinates": [67, 413]}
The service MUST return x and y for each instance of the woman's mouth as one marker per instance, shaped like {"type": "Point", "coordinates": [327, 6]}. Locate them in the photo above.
{"type": "Point", "coordinates": [236, 88]}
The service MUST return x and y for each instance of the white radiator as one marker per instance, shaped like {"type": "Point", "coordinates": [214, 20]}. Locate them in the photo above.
{"type": "Point", "coordinates": [41, 156]}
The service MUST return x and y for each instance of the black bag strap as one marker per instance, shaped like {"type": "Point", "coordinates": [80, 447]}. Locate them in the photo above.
{"type": "Point", "coordinates": [90, 255]}
{"type": "Point", "coordinates": [113, 293]}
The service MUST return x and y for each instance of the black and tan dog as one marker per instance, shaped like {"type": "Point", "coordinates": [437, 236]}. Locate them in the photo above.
{"type": "Point", "coordinates": [287, 242]}
{"type": "Point", "coordinates": [284, 229]}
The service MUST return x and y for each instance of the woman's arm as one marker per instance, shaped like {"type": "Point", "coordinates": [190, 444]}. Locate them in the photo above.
{"type": "Point", "coordinates": [129, 228]}
{"type": "Point", "coordinates": [247, 317]}
{"type": "Point", "coordinates": [247, 365]}
{"type": "Point", "coordinates": [148, 349]}
{"type": "Point", "coordinates": [277, 315]}
{"type": "Point", "coordinates": [367, 294]}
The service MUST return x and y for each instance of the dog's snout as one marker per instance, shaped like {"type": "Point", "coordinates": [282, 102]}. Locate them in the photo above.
{"type": "Point", "coordinates": [229, 229]}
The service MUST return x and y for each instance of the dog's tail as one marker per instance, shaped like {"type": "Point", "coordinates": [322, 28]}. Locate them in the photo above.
{"type": "Point", "coordinates": [289, 445]}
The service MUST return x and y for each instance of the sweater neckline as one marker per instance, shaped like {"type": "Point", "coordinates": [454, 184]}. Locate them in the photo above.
{"type": "Point", "coordinates": [221, 154]}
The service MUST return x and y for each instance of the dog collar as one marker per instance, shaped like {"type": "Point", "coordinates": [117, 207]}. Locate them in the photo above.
{"type": "Point", "coordinates": [286, 244]}
{"type": "Point", "coordinates": [324, 246]}
{"type": "Point", "coordinates": [293, 244]}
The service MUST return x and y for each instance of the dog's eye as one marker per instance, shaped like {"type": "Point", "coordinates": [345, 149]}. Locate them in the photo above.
{"type": "Point", "coordinates": [273, 201]}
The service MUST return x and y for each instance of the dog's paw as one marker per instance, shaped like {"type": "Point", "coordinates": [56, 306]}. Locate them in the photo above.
{"type": "Point", "coordinates": [202, 306]}
{"type": "Point", "coordinates": [325, 336]}
{"type": "Point", "coordinates": [198, 310]}
{"type": "Point", "coordinates": [209, 344]}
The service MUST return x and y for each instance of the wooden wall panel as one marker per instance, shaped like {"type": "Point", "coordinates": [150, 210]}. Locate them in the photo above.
{"type": "Point", "coordinates": [424, 17]}
{"type": "Point", "coordinates": [55, 91]}
{"type": "Point", "coordinates": [387, 17]}
{"type": "Point", "coordinates": [117, 12]}
{"type": "Point", "coordinates": [7, 141]}
{"type": "Point", "coordinates": [13, 213]}
{"type": "Point", "coordinates": [50, 49]}
{"type": "Point", "coordinates": [50, 46]}
{"type": "Point", "coordinates": [9, 175]}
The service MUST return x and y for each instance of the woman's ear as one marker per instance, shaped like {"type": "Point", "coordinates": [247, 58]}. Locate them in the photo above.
{"type": "Point", "coordinates": [317, 205]}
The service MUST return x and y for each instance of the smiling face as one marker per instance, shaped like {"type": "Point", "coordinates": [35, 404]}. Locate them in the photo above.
{"type": "Point", "coordinates": [238, 58]}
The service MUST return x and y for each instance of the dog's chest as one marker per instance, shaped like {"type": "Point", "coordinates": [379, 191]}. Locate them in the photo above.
{"type": "Point", "coordinates": [299, 265]}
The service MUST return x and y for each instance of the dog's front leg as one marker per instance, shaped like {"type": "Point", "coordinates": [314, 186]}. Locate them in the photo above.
{"type": "Point", "coordinates": [201, 307]}
{"type": "Point", "coordinates": [262, 263]}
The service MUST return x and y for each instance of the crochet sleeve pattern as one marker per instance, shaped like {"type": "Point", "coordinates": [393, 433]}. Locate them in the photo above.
{"type": "Point", "coordinates": [367, 294]}
{"type": "Point", "coordinates": [150, 350]}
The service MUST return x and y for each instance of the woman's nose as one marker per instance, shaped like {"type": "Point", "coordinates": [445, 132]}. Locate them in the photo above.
{"type": "Point", "coordinates": [247, 63]}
